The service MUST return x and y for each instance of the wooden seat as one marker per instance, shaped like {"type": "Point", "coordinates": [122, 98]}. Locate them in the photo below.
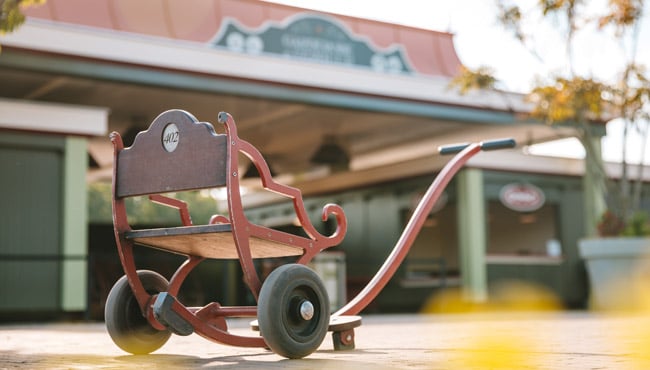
{"type": "Point", "coordinates": [209, 241]}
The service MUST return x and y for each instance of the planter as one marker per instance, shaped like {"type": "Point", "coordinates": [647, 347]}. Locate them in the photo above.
{"type": "Point", "coordinates": [619, 272]}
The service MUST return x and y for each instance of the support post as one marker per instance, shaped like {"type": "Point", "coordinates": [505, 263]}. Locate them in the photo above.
{"type": "Point", "coordinates": [472, 234]}
{"type": "Point", "coordinates": [592, 185]}
{"type": "Point", "coordinates": [74, 265]}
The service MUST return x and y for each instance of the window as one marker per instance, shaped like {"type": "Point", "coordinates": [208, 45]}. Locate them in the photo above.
{"type": "Point", "coordinates": [522, 233]}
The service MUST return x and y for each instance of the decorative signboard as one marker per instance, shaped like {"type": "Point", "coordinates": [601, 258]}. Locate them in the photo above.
{"type": "Point", "coordinates": [313, 37]}
{"type": "Point", "coordinates": [522, 197]}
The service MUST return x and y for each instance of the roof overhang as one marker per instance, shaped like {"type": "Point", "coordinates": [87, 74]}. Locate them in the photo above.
{"type": "Point", "coordinates": [198, 59]}
{"type": "Point", "coordinates": [391, 123]}
{"type": "Point", "coordinates": [53, 118]}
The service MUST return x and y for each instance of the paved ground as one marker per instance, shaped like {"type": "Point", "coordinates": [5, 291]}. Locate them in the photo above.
{"type": "Point", "coordinates": [462, 341]}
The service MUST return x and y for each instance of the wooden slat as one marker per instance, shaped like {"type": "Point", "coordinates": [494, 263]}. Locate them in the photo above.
{"type": "Point", "coordinates": [175, 231]}
{"type": "Point", "coordinates": [210, 241]}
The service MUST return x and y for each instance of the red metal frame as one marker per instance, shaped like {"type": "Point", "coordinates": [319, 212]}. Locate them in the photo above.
{"type": "Point", "coordinates": [209, 321]}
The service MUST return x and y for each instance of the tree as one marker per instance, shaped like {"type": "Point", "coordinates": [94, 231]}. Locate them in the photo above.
{"type": "Point", "coordinates": [144, 212]}
{"type": "Point", "coordinates": [570, 98]}
{"type": "Point", "coordinates": [11, 15]}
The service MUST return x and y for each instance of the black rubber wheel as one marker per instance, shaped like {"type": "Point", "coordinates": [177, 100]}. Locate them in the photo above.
{"type": "Point", "coordinates": [293, 311]}
{"type": "Point", "coordinates": [125, 323]}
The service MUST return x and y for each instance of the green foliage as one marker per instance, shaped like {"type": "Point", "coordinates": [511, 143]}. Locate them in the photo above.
{"type": "Point", "coordinates": [468, 80]}
{"type": "Point", "coordinates": [579, 99]}
{"type": "Point", "coordinates": [510, 17]}
{"type": "Point", "coordinates": [99, 203]}
{"type": "Point", "coordinates": [612, 225]}
{"type": "Point", "coordinates": [142, 211]}
{"type": "Point", "coordinates": [11, 15]}
{"type": "Point", "coordinates": [569, 100]}
{"type": "Point", "coordinates": [558, 6]}
{"type": "Point", "coordinates": [637, 225]}
{"type": "Point", "coordinates": [632, 93]}
{"type": "Point", "coordinates": [623, 14]}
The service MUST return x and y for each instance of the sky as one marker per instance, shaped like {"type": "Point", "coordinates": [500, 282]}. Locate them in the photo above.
{"type": "Point", "coordinates": [481, 41]}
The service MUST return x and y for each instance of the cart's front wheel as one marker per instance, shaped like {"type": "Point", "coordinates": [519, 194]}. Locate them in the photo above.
{"type": "Point", "coordinates": [293, 311]}
{"type": "Point", "coordinates": [125, 323]}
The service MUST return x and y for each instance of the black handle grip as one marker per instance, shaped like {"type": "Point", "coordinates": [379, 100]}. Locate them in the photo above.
{"type": "Point", "coordinates": [485, 145]}
{"type": "Point", "coordinates": [452, 148]}
{"type": "Point", "coordinates": [498, 144]}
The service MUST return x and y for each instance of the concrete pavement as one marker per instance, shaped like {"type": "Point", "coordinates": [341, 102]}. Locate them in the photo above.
{"type": "Point", "coordinates": [567, 340]}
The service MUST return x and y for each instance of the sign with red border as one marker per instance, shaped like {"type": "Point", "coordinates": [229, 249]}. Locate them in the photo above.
{"type": "Point", "coordinates": [522, 197]}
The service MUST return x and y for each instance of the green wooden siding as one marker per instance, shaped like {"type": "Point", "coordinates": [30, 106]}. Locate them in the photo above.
{"type": "Point", "coordinates": [30, 222]}
{"type": "Point", "coordinates": [377, 215]}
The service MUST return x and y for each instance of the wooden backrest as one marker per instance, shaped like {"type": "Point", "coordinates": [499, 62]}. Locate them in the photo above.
{"type": "Point", "coordinates": [176, 153]}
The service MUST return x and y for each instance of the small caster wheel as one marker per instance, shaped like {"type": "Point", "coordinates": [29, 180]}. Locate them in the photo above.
{"type": "Point", "coordinates": [343, 340]}
{"type": "Point", "coordinates": [342, 328]}
{"type": "Point", "coordinates": [125, 322]}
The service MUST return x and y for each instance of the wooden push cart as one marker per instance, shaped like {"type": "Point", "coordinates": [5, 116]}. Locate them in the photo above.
{"type": "Point", "coordinates": [178, 153]}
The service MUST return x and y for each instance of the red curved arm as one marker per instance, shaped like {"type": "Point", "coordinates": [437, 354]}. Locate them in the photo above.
{"type": "Point", "coordinates": [269, 184]}
{"type": "Point", "coordinates": [180, 205]}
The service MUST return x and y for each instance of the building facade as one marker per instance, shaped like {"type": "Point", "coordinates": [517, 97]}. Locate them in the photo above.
{"type": "Point", "coordinates": [295, 81]}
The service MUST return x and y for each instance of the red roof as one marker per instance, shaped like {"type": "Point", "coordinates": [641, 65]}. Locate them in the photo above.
{"type": "Point", "coordinates": [429, 52]}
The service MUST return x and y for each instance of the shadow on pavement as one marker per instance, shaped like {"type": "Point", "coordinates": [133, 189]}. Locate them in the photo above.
{"type": "Point", "coordinates": [15, 360]}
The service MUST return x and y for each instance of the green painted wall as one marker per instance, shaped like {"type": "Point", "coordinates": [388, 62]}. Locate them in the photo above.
{"type": "Point", "coordinates": [30, 221]}
{"type": "Point", "coordinates": [43, 223]}
{"type": "Point", "coordinates": [567, 280]}
{"type": "Point", "coordinates": [376, 217]}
